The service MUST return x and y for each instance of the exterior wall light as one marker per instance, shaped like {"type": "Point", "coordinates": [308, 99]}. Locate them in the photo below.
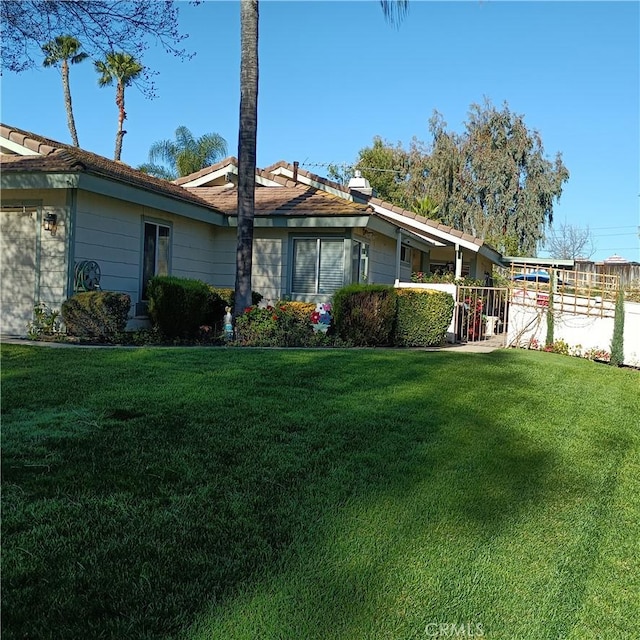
{"type": "Point", "coordinates": [50, 222]}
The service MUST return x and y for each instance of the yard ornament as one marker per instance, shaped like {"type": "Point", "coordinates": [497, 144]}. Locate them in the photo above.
{"type": "Point", "coordinates": [321, 317]}
{"type": "Point", "coordinates": [228, 324]}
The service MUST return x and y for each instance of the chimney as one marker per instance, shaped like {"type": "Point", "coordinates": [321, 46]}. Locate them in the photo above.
{"type": "Point", "coordinates": [295, 171]}
{"type": "Point", "coordinates": [359, 184]}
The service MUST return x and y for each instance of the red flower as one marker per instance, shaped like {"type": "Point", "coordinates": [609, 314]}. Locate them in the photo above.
{"type": "Point", "coordinates": [274, 316]}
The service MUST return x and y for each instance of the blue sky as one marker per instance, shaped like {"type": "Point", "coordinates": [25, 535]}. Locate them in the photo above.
{"type": "Point", "coordinates": [335, 74]}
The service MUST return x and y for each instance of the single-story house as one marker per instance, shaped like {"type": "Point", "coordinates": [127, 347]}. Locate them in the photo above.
{"type": "Point", "coordinates": [73, 220]}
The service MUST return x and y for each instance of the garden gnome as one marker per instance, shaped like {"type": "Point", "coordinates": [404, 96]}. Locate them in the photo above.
{"type": "Point", "coordinates": [228, 323]}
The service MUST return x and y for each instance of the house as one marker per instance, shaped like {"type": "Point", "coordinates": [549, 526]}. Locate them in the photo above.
{"type": "Point", "coordinates": [400, 242]}
{"type": "Point", "coordinates": [73, 220]}
{"type": "Point", "coordinates": [65, 209]}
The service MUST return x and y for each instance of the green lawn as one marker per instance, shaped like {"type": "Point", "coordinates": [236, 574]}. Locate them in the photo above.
{"type": "Point", "coordinates": [331, 494]}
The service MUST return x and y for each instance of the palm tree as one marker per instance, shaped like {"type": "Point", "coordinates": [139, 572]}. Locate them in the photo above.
{"type": "Point", "coordinates": [65, 50]}
{"type": "Point", "coordinates": [394, 11]}
{"type": "Point", "coordinates": [185, 154]}
{"type": "Point", "coordinates": [427, 207]}
{"type": "Point", "coordinates": [246, 151]}
{"type": "Point", "coordinates": [122, 68]}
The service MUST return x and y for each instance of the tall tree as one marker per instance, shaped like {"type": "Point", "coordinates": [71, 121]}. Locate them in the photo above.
{"type": "Point", "coordinates": [123, 69]}
{"type": "Point", "coordinates": [394, 11]}
{"type": "Point", "coordinates": [247, 136]}
{"type": "Point", "coordinates": [102, 27]}
{"type": "Point", "coordinates": [492, 181]}
{"type": "Point", "coordinates": [184, 155]}
{"type": "Point", "coordinates": [498, 184]}
{"type": "Point", "coordinates": [65, 50]}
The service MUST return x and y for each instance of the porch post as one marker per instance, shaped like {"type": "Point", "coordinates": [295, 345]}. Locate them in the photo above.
{"type": "Point", "coordinates": [458, 262]}
{"type": "Point", "coordinates": [398, 253]}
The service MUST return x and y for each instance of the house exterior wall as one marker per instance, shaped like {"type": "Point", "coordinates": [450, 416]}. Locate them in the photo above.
{"type": "Point", "coordinates": [382, 261]}
{"type": "Point", "coordinates": [110, 232]}
{"type": "Point", "coordinates": [35, 262]}
{"type": "Point", "coordinates": [271, 268]}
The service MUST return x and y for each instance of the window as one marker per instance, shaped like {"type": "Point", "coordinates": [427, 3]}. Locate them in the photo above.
{"type": "Point", "coordinates": [157, 244]}
{"type": "Point", "coordinates": [318, 265]}
{"type": "Point", "coordinates": [359, 261]}
{"type": "Point", "coordinates": [405, 253]}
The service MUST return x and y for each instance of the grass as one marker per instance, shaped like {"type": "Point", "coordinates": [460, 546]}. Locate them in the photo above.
{"type": "Point", "coordinates": [332, 494]}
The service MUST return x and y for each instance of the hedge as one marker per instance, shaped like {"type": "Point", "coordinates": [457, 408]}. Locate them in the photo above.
{"type": "Point", "coordinates": [423, 317]}
{"type": "Point", "coordinates": [96, 314]}
{"type": "Point", "coordinates": [364, 315]}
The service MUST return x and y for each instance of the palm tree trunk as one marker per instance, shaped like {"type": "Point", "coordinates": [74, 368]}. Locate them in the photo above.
{"type": "Point", "coordinates": [121, 118]}
{"type": "Point", "coordinates": [67, 103]}
{"type": "Point", "coordinates": [246, 151]}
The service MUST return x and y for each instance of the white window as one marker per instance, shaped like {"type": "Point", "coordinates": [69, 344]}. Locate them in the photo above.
{"type": "Point", "coordinates": [157, 253]}
{"type": "Point", "coordinates": [318, 265]}
{"type": "Point", "coordinates": [359, 261]}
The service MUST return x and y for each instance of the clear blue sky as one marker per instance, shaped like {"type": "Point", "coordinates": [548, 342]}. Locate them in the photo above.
{"type": "Point", "coordinates": [335, 74]}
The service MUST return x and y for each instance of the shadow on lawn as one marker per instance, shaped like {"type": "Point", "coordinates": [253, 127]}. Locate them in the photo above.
{"type": "Point", "coordinates": [155, 513]}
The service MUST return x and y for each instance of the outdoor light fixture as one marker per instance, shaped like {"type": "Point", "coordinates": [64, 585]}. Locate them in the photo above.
{"type": "Point", "coordinates": [50, 222]}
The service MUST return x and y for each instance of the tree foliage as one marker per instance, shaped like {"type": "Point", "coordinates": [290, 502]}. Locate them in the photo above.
{"type": "Point", "coordinates": [184, 155]}
{"type": "Point", "coordinates": [569, 242]}
{"type": "Point", "coordinates": [101, 26]}
{"type": "Point", "coordinates": [65, 50]}
{"type": "Point", "coordinates": [492, 181]}
{"type": "Point", "coordinates": [123, 69]}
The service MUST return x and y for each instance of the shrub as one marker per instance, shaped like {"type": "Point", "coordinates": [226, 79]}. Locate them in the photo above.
{"type": "Point", "coordinates": [364, 315]}
{"type": "Point", "coordinates": [96, 314]}
{"type": "Point", "coordinates": [423, 317]}
{"type": "Point", "coordinates": [178, 306]}
{"type": "Point", "coordinates": [559, 346]}
{"type": "Point", "coordinates": [276, 326]}
{"type": "Point", "coordinates": [617, 341]}
{"type": "Point", "coordinates": [45, 322]}
{"type": "Point", "coordinates": [301, 310]}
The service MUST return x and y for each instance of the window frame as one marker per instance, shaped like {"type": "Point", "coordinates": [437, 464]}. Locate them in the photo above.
{"type": "Point", "coordinates": [358, 274]}
{"type": "Point", "coordinates": [158, 224]}
{"type": "Point", "coordinates": [319, 239]}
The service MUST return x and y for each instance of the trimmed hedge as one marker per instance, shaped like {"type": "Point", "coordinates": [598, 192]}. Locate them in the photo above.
{"type": "Point", "coordinates": [96, 314]}
{"type": "Point", "coordinates": [423, 317]}
{"type": "Point", "coordinates": [364, 315]}
{"type": "Point", "coordinates": [178, 306]}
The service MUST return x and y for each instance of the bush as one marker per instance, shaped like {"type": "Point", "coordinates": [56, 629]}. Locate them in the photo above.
{"type": "Point", "coordinates": [423, 317]}
{"type": "Point", "coordinates": [96, 314]}
{"type": "Point", "coordinates": [178, 306]}
{"type": "Point", "coordinates": [364, 315]}
{"type": "Point", "coordinates": [283, 325]}
{"type": "Point", "coordinates": [617, 341]}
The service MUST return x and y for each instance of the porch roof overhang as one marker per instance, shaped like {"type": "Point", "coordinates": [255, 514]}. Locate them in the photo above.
{"type": "Point", "coordinates": [439, 237]}
{"type": "Point", "coordinates": [522, 261]}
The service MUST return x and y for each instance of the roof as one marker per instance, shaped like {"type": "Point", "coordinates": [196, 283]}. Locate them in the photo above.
{"type": "Point", "coordinates": [403, 216]}
{"type": "Point", "coordinates": [290, 200]}
{"type": "Point", "coordinates": [57, 157]}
